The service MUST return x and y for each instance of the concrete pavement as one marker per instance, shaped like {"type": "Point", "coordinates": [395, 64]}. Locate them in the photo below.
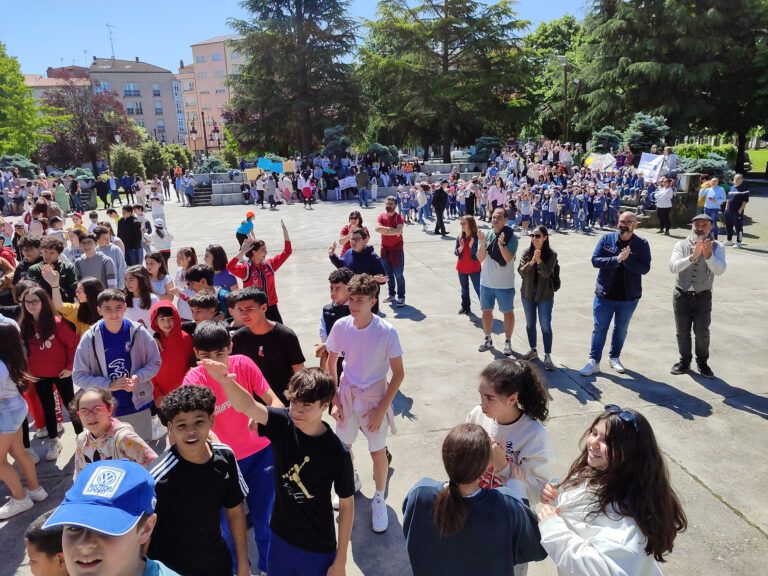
{"type": "Point", "coordinates": [712, 431]}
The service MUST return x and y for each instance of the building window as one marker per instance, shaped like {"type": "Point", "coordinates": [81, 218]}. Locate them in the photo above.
{"type": "Point", "coordinates": [131, 90]}
{"type": "Point", "coordinates": [235, 54]}
{"type": "Point", "coordinates": [191, 116]}
{"type": "Point", "coordinates": [158, 108]}
{"type": "Point", "coordinates": [176, 89]}
{"type": "Point", "coordinates": [202, 75]}
{"type": "Point", "coordinates": [205, 91]}
{"type": "Point", "coordinates": [161, 125]}
{"type": "Point", "coordinates": [133, 108]}
{"type": "Point", "coordinates": [200, 59]}
{"type": "Point", "coordinates": [235, 69]}
{"type": "Point", "coordinates": [179, 108]}
{"type": "Point", "coordinates": [156, 90]}
{"type": "Point", "coordinates": [215, 57]}
{"type": "Point", "coordinates": [182, 126]}
{"type": "Point", "coordinates": [218, 73]}
{"type": "Point", "coordinates": [190, 102]}
{"type": "Point", "coordinates": [221, 90]}
{"type": "Point", "coordinates": [206, 107]}
{"type": "Point", "coordinates": [140, 123]}
{"type": "Point", "coordinates": [189, 86]}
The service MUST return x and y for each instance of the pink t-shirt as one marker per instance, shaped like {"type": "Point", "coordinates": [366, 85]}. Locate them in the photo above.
{"type": "Point", "coordinates": [230, 425]}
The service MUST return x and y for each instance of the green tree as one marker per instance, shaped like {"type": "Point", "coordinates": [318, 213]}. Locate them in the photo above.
{"type": "Point", "coordinates": [124, 159]}
{"type": "Point", "coordinates": [26, 168]}
{"type": "Point", "coordinates": [334, 142]}
{"type": "Point", "coordinates": [154, 157]}
{"type": "Point", "coordinates": [180, 156]}
{"type": "Point", "coordinates": [444, 72]}
{"type": "Point", "coordinates": [605, 140]}
{"type": "Point", "coordinates": [22, 117]}
{"type": "Point", "coordinates": [644, 131]}
{"type": "Point", "coordinates": [296, 80]}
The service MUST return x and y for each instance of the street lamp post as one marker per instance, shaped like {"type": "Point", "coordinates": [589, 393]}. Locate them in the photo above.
{"type": "Point", "coordinates": [205, 137]}
{"type": "Point", "coordinates": [565, 116]}
{"type": "Point", "coordinates": [193, 134]}
{"type": "Point", "coordinates": [215, 134]}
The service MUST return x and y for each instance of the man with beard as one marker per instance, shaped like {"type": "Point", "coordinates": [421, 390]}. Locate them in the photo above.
{"type": "Point", "coordinates": [439, 200]}
{"type": "Point", "coordinates": [622, 259]}
{"type": "Point", "coordinates": [696, 260]}
{"type": "Point", "coordinates": [390, 225]}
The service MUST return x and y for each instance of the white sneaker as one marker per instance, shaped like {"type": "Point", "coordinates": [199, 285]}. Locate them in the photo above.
{"type": "Point", "coordinates": [616, 365]}
{"type": "Point", "coordinates": [379, 517]}
{"type": "Point", "coordinates": [737, 245]}
{"type": "Point", "coordinates": [14, 507]}
{"type": "Point", "coordinates": [400, 302]}
{"type": "Point", "coordinates": [389, 299]}
{"type": "Point", "coordinates": [158, 430]}
{"type": "Point", "coordinates": [41, 433]}
{"type": "Point", "coordinates": [54, 447]}
{"type": "Point", "coordinates": [34, 455]}
{"type": "Point", "coordinates": [591, 367]}
{"type": "Point", "coordinates": [37, 495]}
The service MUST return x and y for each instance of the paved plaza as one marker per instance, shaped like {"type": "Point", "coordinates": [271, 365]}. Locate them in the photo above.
{"type": "Point", "coordinates": [712, 432]}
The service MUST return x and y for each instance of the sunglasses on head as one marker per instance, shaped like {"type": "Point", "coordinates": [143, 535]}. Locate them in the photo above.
{"type": "Point", "coordinates": [625, 415]}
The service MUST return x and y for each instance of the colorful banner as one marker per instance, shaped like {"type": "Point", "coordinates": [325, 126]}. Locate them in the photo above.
{"type": "Point", "coordinates": [348, 182]}
{"type": "Point", "coordinates": [650, 166]}
{"type": "Point", "coordinates": [277, 167]}
{"type": "Point", "coordinates": [252, 173]}
{"type": "Point", "coordinates": [289, 166]}
{"type": "Point", "coordinates": [264, 164]}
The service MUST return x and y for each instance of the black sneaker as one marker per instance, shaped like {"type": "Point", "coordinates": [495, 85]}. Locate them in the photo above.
{"type": "Point", "coordinates": [463, 311]}
{"type": "Point", "coordinates": [705, 370]}
{"type": "Point", "coordinates": [680, 368]}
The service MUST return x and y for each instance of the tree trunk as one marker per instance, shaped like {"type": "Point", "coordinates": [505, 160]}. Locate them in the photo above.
{"type": "Point", "coordinates": [446, 144]}
{"type": "Point", "coordinates": [742, 148]}
{"type": "Point", "coordinates": [305, 129]}
{"type": "Point", "coordinates": [426, 146]}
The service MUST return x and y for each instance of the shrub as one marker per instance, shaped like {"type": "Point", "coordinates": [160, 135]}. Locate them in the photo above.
{"type": "Point", "coordinates": [335, 142]}
{"type": "Point", "coordinates": [156, 160]}
{"type": "Point", "coordinates": [211, 164]}
{"type": "Point", "coordinates": [230, 158]}
{"type": "Point", "coordinates": [124, 159]}
{"type": "Point", "coordinates": [79, 173]}
{"type": "Point", "coordinates": [483, 146]}
{"type": "Point", "coordinates": [693, 150]}
{"type": "Point", "coordinates": [385, 153]}
{"type": "Point", "coordinates": [25, 166]}
{"type": "Point", "coordinates": [713, 165]}
{"type": "Point", "coordinates": [644, 131]}
{"type": "Point", "coordinates": [727, 151]}
{"type": "Point", "coordinates": [274, 157]}
{"type": "Point", "coordinates": [605, 140]}
{"type": "Point", "coordinates": [179, 155]}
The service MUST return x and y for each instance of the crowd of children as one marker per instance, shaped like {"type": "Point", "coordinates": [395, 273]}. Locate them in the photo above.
{"type": "Point", "coordinates": [225, 378]}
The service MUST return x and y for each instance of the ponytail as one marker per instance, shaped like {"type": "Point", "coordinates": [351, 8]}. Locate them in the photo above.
{"type": "Point", "coordinates": [466, 454]}
{"type": "Point", "coordinates": [450, 510]}
{"type": "Point", "coordinates": [508, 377]}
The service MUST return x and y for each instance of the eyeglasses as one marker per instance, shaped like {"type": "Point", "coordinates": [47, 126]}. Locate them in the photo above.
{"type": "Point", "coordinates": [625, 415]}
{"type": "Point", "coordinates": [95, 411]}
{"type": "Point", "coordinates": [34, 302]}
{"type": "Point", "coordinates": [536, 235]}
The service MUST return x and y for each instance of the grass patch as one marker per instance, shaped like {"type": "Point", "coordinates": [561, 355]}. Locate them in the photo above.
{"type": "Point", "coordinates": [758, 159]}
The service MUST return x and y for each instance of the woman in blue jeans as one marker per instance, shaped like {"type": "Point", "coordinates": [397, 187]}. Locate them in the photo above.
{"type": "Point", "coordinates": [468, 266]}
{"type": "Point", "coordinates": [537, 268]}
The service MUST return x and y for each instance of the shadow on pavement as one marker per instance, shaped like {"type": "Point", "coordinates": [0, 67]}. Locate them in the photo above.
{"type": "Point", "coordinates": [570, 382]}
{"type": "Point", "coordinates": [402, 404]}
{"type": "Point", "coordinates": [735, 397]}
{"type": "Point", "coordinates": [376, 554]}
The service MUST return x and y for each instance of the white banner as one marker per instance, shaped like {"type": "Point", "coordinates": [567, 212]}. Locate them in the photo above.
{"type": "Point", "coordinates": [650, 166]}
{"type": "Point", "coordinates": [348, 182]}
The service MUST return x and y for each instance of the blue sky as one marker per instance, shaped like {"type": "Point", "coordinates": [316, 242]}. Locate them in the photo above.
{"type": "Point", "coordinates": [42, 33]}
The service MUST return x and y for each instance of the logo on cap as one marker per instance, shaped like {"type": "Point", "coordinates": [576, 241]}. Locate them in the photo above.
{"type": "Point", "coordinates": [104, 482]}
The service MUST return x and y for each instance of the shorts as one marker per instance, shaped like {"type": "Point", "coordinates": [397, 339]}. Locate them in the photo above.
{"type": "Point", "coordinates": [353, 421]}
{"type": "Point", "coordinates": [13, 412]}
{"type": "Point", "coordinates": [526, 218]}
{"type": "Point", "coordinates": [505, 297]}
{"type": "Point", "coordinates": [285, 559]}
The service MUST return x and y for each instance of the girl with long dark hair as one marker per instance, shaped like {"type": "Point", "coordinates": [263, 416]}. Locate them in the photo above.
{"type": "Point", "coordinates": [616, 511]}
{"type": "Point", "coordinates": [468, 266]}
{"type": "Point", "coordinates": [457, 527]}
{"type": "Point", "coordinates": [14, 380]}
{"type": "Point", "coordinates": [139, 298]}
{"type": "Point", "coordinates": [161, 281]}
{"type": "Point", "coordinates": [537, 268]}
{"type": "Point", "coordinates": [216, 258]}
{"type": "Point", "coordinates": [51, 346]}
{"type": "Point", "coordinates": [82, 314]}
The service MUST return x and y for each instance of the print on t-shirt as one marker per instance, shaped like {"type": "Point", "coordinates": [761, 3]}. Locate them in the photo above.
{"type": "Point", "coordinates": [491, 480]}
{"type": "Point", "coordinates": [294, 476]}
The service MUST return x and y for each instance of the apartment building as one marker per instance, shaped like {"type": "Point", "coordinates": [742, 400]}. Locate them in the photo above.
{"type": "Point", "coordinates": [151, 95]}
{"type": "Point", "coordinates": [213, 60]}
{"type": "Point", "coordinates": [40, 84]}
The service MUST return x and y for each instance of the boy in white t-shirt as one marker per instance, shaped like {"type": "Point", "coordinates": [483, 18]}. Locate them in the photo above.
{"type": "Point", "coordinates": [364, 398]}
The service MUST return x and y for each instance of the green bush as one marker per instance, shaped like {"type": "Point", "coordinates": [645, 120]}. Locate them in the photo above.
{"type": "Point", "coordinates": [274, 157]}
{"type": "Point", "coordinates": [79, 173]}
{"type": "Point", "coordinates": [210, 165]}
{"type": "Point", "coordinates": [125, 159]}
{"type": "Point", "coordinates": [483, 146]}
{"type": "Point", "coordinates": [230, 158]}
{"type": "Point", "coordinates": [25, 166]}
{"type": "Point", "coordinates": [727, 151]}
{"type": "Point", "coordinates": [713, 165]}
{"type": "Point", "coordinates": [385, 153]}
{"type": "Point", "coordinates": [156, 160]}
{"type": "Point", "coordinates": [180, 157]}
{"type": "Point", "coordinates": [700, 151]}
{"type": "Point", "coordinates": [645, 131]}
{"type": "Point", "coordinates": [605, 140]}
{"type": "Point", "coordinates": [335, 142]}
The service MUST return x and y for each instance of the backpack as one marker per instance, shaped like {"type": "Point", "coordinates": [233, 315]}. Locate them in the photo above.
{"type": "Point", "coordinates": [556, 277]}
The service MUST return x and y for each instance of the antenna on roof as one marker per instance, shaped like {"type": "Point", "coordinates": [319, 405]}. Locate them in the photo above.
{"type": "Point", "coordinates": [111, 40]}
{"type": "Point", "coordinates": [85, 57]}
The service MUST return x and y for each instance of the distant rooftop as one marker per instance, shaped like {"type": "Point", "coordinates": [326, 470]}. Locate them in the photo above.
{"type": "Point", "coordinates": [38, 81]}
{"type": "Point", "coordinates": [101, 65]}
{"type": "Point", "coordinates": [216, 39]}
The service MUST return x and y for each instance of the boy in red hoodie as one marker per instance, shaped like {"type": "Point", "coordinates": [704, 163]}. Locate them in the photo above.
{"type": "Point", "coordinates": [176, 352]}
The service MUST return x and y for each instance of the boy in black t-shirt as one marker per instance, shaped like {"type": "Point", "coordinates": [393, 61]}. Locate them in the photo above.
{"type": "Point", "coordinates": [332, 312]}
{"type": "Point", "coordinates": [193, 481]}
{"type": "Point", "coordinates": [272, 346]}
{"type": "Point", "coordinates": [309, 458]}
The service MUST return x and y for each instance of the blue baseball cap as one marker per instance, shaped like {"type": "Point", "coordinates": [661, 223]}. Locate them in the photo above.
{"type": "Point", "coordinates": [107, 497]}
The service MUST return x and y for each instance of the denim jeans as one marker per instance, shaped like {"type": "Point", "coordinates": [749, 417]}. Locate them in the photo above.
{"type": "Point", "coordinates": [544, 310]}
{"type": "Point", "coordinates": [464, 281]}
{"type": "Point", "coordinates": [77, 203]}
{"type": "Point", "coordinates": [257, 471]}
{"type": "Point", "coordinates": [603, 310]}
{"type": "Point", "coordinates": [395, 274]}
{"type": "Point", "coordinates": [361, 197]}
{"type": "Point", "coordinates": [132, 256]}
{"type": "Point", "coordinates": [712, 213]}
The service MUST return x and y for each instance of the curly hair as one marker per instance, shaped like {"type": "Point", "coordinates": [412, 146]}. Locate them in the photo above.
{"type": "Point", "coordinates": [635, 483]}
{"type": "Point", "coordinates": [188, 399]}
{"type": "Point", "coordinates": [507, 377]}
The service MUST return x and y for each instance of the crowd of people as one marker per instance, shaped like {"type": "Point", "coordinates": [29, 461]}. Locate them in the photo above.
{"type": "Point", "coordinates": [96, 328]}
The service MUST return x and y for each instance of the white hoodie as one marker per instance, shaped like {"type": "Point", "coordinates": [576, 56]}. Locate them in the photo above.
{"type": "Point", "coordinates": [583, 543]}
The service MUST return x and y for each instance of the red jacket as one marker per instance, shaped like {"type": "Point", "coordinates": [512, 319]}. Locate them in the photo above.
{"type": "Point", "coordinates": [177, 354]}
{"type": "Point", "coordinates": [8, 253]}
{"type": "Point", "coordinates": [261, 275]}
{"type": "Point", "coordinates": [48, 361]}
